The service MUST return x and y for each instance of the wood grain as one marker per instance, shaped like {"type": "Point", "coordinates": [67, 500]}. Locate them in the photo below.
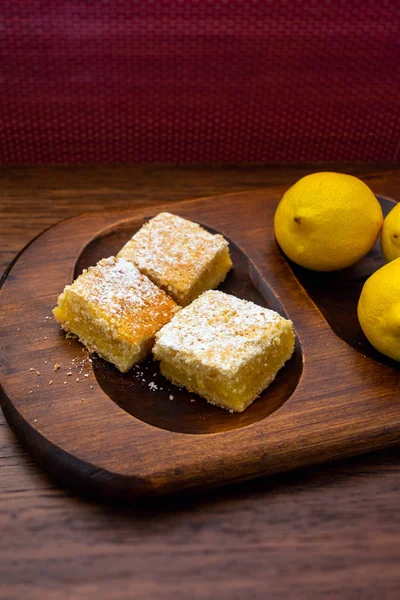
{"type": "Point", "coordinates": [339, 403]}
{"type": "Point", "coordinates": [329, 532]}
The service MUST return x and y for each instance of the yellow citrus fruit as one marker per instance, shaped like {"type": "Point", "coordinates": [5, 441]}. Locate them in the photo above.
{"type": "Point", "coordinates": [327, 221]}
{"type": "Point", "coordinates": [379, 309]}
{"type": "Point", "coordinates": [390, 235]}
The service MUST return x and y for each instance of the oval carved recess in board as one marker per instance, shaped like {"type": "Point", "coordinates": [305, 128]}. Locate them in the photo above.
{"type": "Point", "coordinates": [187, 412]}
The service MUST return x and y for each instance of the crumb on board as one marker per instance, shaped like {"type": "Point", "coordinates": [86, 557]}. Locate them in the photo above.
{"type": "Point", "coordinates": [91, 387]}
{"type": "Point", "coordinates": [32, 369]}
{"type": "Point", "coordinates": [35, 420]}
{"type": "Point", "coordinates": [65, 382]}
{"type": "Point", "coordinates": [192, 400]}
{"type": "Point", "coordinates": [56, 366]}
{"type": "Point", "coordinates": [69, 373]}
{"type": "Point", "coordinates": [45, 362]}
{"type": "Point", "coordinates": [37, 372]}
{"type": "Point", "coordinates": [171, 397]}
{"type": "Point", "coordinates": [50, 382]}
{"type": "Point", "coordinates": [77, 379]}
{"type": "Point", "coordinates": [30, 392]}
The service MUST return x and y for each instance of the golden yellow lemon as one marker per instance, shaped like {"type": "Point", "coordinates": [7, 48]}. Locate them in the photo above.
{"type": "Point", "coordinates": [327, 221]}
{"type": "Point", "coordinates": [379, 309]}
{"type": "Point", "coordinates": [390, 235]}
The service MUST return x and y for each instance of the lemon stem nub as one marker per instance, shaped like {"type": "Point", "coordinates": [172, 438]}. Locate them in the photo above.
{"type": "Point", "coordinates": [297, 220]}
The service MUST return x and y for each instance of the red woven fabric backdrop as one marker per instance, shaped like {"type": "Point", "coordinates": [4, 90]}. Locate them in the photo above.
{"type": "Point", "coordinates": [199, 80]}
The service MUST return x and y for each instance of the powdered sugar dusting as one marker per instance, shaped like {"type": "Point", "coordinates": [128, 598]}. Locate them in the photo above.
{"type": "Point", "coordinates": [220, 330]}
{"type": "Point", "coordinates": [116, 287]}
{"type": "Point", "coordinates": [116, 284]}
{"type": "Point", "coordinates": [173, 251]}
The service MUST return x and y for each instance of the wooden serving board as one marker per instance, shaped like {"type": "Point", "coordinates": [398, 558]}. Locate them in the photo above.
{"type": "Point", "coordinates": [108, 434]}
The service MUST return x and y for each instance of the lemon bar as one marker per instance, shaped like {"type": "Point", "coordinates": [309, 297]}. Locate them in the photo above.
{"type": "Point", "coordinates": [115, 311]}
{"type": "Point", "coordinates": [226, 349]}
{"type": "Point", "coordinates": [179, 256]}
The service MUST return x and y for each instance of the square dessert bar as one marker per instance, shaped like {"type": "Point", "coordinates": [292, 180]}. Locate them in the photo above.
{"type": "Point", "coordinates": [179, 256]}
{"type": "Point", "coordinates": [115, 311]}
{"type": "Point", "coordinates": [225, 349]}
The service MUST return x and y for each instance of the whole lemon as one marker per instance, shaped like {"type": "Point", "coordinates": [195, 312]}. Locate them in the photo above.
{"type": "Point", "coordinates": [327, 221]}
{"type": "Point", "coordinates": [390, 235]}
{"type": "Point", "coordinates": [379, 309]}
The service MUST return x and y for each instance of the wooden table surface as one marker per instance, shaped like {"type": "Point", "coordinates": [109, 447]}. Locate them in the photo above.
{"type": "Point", "coordinates": [331, 531]}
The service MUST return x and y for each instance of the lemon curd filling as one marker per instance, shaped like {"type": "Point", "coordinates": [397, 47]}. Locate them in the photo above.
{"type": "Point", "coordinates": [225, 349]}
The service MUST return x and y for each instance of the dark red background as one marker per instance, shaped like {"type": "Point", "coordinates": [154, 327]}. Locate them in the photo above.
{"type": "Point", "coordinates": [213, 80]}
